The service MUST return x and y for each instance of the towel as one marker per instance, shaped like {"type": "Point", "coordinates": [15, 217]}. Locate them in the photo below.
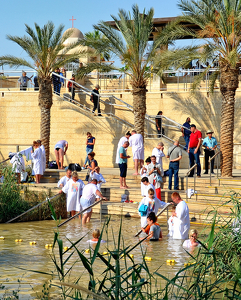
{"type": "Point", "coordinates": [27, 153]}
{"type": "Point", "coordinates": [190, 193]}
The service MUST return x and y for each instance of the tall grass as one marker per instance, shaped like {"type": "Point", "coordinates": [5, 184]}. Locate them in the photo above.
{"type": "Point", "coordinates": [214, 271]}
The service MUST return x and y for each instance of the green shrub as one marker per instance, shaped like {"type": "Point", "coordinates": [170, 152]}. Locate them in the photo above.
{"type": "Point", "coordinates": [11, 202]}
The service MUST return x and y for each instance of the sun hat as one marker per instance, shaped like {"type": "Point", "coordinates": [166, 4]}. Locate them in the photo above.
{"type": "Point", "coordinates": [209, 131]}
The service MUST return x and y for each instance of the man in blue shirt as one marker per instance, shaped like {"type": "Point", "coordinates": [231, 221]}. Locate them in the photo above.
{"type": "Point", "coordinates": [123, 165]}
{"type": "Point", "coordinates": [186, 133]}
{"type": "Point", "coordinates": [210, 144]}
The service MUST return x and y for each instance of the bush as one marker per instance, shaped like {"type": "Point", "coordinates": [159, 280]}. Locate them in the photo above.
{"type": "Point", "coordinates": [11, 202]}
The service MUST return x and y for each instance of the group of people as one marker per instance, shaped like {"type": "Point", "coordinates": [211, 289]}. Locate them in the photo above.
{"type": "Point", "coordinates": [193, 140]}
{"type": "Point", "coordinates": [80, 196]}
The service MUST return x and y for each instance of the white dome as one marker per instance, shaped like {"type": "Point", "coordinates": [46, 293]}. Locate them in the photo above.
{"type": "Point", "coordinates": [75, 36]}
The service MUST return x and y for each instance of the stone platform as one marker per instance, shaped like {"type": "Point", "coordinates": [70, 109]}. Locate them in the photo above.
{"type": "Point", "coordinates": [201, 204]}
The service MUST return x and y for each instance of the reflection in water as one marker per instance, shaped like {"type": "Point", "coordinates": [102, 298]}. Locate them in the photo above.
{"type": "Point", "coordinates": [14, 257]}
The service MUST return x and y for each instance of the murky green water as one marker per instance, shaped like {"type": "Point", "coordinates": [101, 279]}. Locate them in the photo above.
{"type": "Point", "coordinates": [14, 256]}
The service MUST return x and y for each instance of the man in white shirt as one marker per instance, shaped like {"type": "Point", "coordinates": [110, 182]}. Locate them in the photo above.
{"type": "Point", "coordinates": [62, 182]}
{"type": "Point", "coordinates": [158, 153]}
{"type": "Point", "coordinates": [181, 218]}
{"type": "Point", "coordinates": [136, 142]}
{"type": "Point", "coordinates": [148, 186]}
{"type": "Point", "coordinates": [89, 194]}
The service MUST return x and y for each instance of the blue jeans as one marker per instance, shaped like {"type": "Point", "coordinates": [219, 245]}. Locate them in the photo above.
{"type": "Point", "coordinates": [88, 150]}
{"type": "Point", "coordinates": [186, 138]}
{"type": "Point", "coordinates": [173, 169]}
{"type": "Point", "coordinates": [194, 157]}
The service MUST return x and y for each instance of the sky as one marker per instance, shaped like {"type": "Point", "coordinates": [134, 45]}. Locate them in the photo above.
{"type": "Point", "coordinates": [15, 13]}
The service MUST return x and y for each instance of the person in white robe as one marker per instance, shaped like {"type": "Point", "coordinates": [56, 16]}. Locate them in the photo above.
{"type": "Point", "coordinates": [192, 242]}
{"type": "Point", "coordinates": [37, 161]}
{"type": "Point", "coordinates": [73, 188]}
{"type": "Point", "coordinates": [88, 198]}
{"type": "Point", "coordinates": [136, 142]}
{"type": "Point", "coordinates": [181, 218]}
{"type": "Point", "coordinates": [18, 165]}
{"type": "Point", "coordinates": [152, 205]}
{"type": "Point", "coordinates": [95, 174]}
{"type": "Point", "coordinates": [143, 173]}
{"type": "Point", "coordinates": [154, 169]}
{"type": "Point", "coordinates": [43, 155]}
{"type": "Point", "coordinates": [120, 144]}
{"type": "Point", "coordinates": [147, 185]}
{"type": "Point", "coordinates": [64, 180]}
{"type": "Point", "coordinates": [158, 153]}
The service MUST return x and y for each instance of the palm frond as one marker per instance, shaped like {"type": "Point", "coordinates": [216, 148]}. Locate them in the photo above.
{"type": "Point", "coordinates": [14, 61]}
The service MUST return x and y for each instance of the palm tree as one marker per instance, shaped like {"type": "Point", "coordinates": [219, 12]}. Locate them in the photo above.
{"type": "Point", "coordinates": [45, 47]}
{"type": "Point", "coordinates": [131, 45]}
{"type": "Point", "coordinates": [219, 26]}
{"type": "Point", "coordinates": [91, 38]}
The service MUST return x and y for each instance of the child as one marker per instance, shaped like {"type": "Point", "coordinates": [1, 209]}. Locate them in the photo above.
{"type": "Point", "coordinates": [95, 174]}
{"type": "Point", "coordinates": [143, 173]}
{"type": "Point", "coordinates": [96, 236]}
{"type": "Point", "coordinates": [147, 228]}
{"type": "Point", "coordinates": [171, 221]}
{"type": "Point", "coordinates": [155, 233]}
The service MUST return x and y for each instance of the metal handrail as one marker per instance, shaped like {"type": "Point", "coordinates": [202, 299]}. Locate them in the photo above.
{"type": "Point", "coordinates": [210, 160]}
{"type": "Point", "coordinates": [188, 172]}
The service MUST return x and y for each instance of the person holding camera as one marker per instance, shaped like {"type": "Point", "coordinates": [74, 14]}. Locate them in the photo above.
{"type": "Point", "coordinates": [155, 172]}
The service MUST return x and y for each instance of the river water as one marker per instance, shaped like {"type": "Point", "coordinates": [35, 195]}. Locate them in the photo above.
{"type": "Point", "coordinates": [18, 258]}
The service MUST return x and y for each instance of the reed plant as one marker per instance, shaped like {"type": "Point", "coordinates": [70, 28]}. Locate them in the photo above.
{"type": "Point", "coordinates": [213, 271]}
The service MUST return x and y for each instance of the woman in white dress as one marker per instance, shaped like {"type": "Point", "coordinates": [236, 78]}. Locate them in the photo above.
{"type": "Point", "coordinates": [95, 174]}
{"type": "Point", "coordinates": [37, 161]}
{"type": "Point", "coordinates": [143, 174]}
{"type": "Point", "coordinates": [120, 144]}
{"type": "Point", "coordinates": [73, 189]}
{"type": "Point", "coordinates": [43, 155]}
{"type": "Point", "coordinates": [152, 204]}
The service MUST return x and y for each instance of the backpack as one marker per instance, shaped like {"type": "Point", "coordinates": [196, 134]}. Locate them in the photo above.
{"type": "Point", "coordinates": [75, 167]}
{"type": "Point", "coordinates": [53, 165]}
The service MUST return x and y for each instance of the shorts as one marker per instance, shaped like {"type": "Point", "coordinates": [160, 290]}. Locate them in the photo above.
{"type": "Point", "coordinates": [123, 169]}
{"type": "Point", "coordinates": [86, 203]}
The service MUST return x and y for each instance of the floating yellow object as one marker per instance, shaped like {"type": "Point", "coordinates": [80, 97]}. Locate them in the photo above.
{"type": "Point", "coordinates": [87, 251]}
{"type": "Point", "coordinates": [189, 264]}
{"type": "Point", "coordinates": [171, 261]}
{"type": "Point", "coordinates": [131, 255]}
{"type": "Point", "coordinates": [18, 240]}
{"type": "Point", "coordinates": [66, 248]}
{"type": "Point", "coordinates": [32, 243]}
{"type": "Point", "coordinates": [48, 246]}
{"type": "Point", "coordinates": [105, 253]}
{"type": "Point", "coordinates": [148, 258]}
{"type": "Point", "coordinates": [2, 238]}
{"type": "Point", "coordinates": [168, 261]}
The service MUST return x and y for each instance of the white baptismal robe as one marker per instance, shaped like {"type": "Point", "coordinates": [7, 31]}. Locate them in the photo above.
{"type": "Point", "coordinates": [37, 162]}
{"type": "Point", "coordinates": [153, 206]}
{"type": "Point", "coordinates": [98, 177]}
{"type": "Point", "coordinates": [64, 180]}
{"type": "Point", "coordinates": [27, 153]}
{"type": "Point", "coordinates": [159, 155]}
{"type": "Point", "coordinates": [181, 221]}
{"type": "Point", "coordinates": [120, 144]}
{"type": "Point", "coordinates": [136, 142]}
{"type": "Point", "coordinates": [18, 163]}
{"type": "Point", "coordinates": [74, 192]}
{"type": "Point", "coordinates": [43, 157]}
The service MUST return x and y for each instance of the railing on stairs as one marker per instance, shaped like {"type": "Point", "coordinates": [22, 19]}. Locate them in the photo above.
{"type": "Point", "coordinates": [210, 162]}
{"type": "Point", "coordinates": [194, 183]}
{"type": "Point", "coordinates": [121, 103]}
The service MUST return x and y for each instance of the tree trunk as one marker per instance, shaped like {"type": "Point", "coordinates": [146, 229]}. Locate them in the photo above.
{"type": "Point", "coordinates": [45, 103]}
{"type": "Point", "coordinates": [139, 108]}
{"type": "Point", "coordinates": [228, 85]}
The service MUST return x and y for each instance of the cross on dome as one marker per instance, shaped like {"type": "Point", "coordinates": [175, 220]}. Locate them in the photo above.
{"type": "Point", "coordinates": [72, 21]}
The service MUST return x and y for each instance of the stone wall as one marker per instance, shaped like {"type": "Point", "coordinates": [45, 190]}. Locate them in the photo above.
{"type": "Point", "coordinates": [20, 123]}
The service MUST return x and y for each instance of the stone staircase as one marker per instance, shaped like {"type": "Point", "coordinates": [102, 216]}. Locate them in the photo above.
{"type": "Point", "coordinates": [201, 204]}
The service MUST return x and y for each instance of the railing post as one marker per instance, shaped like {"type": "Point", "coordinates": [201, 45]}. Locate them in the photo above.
{"type": "Point", "coordinates": [17, 148]}
{"type": "Point", "coordinates": [100, 212]}
{"type": "Point", "coordinates": [194, 181]}
{"type": "Point", "coordinates": [210, 162]}
{"type": "Point", "coordinates": [186, 187]}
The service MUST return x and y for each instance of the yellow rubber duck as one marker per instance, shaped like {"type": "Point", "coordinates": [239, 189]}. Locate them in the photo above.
{"type": "Point", "coordinates": [148, 258]}
{"type": "Point", "coordinates": [2, 238]}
